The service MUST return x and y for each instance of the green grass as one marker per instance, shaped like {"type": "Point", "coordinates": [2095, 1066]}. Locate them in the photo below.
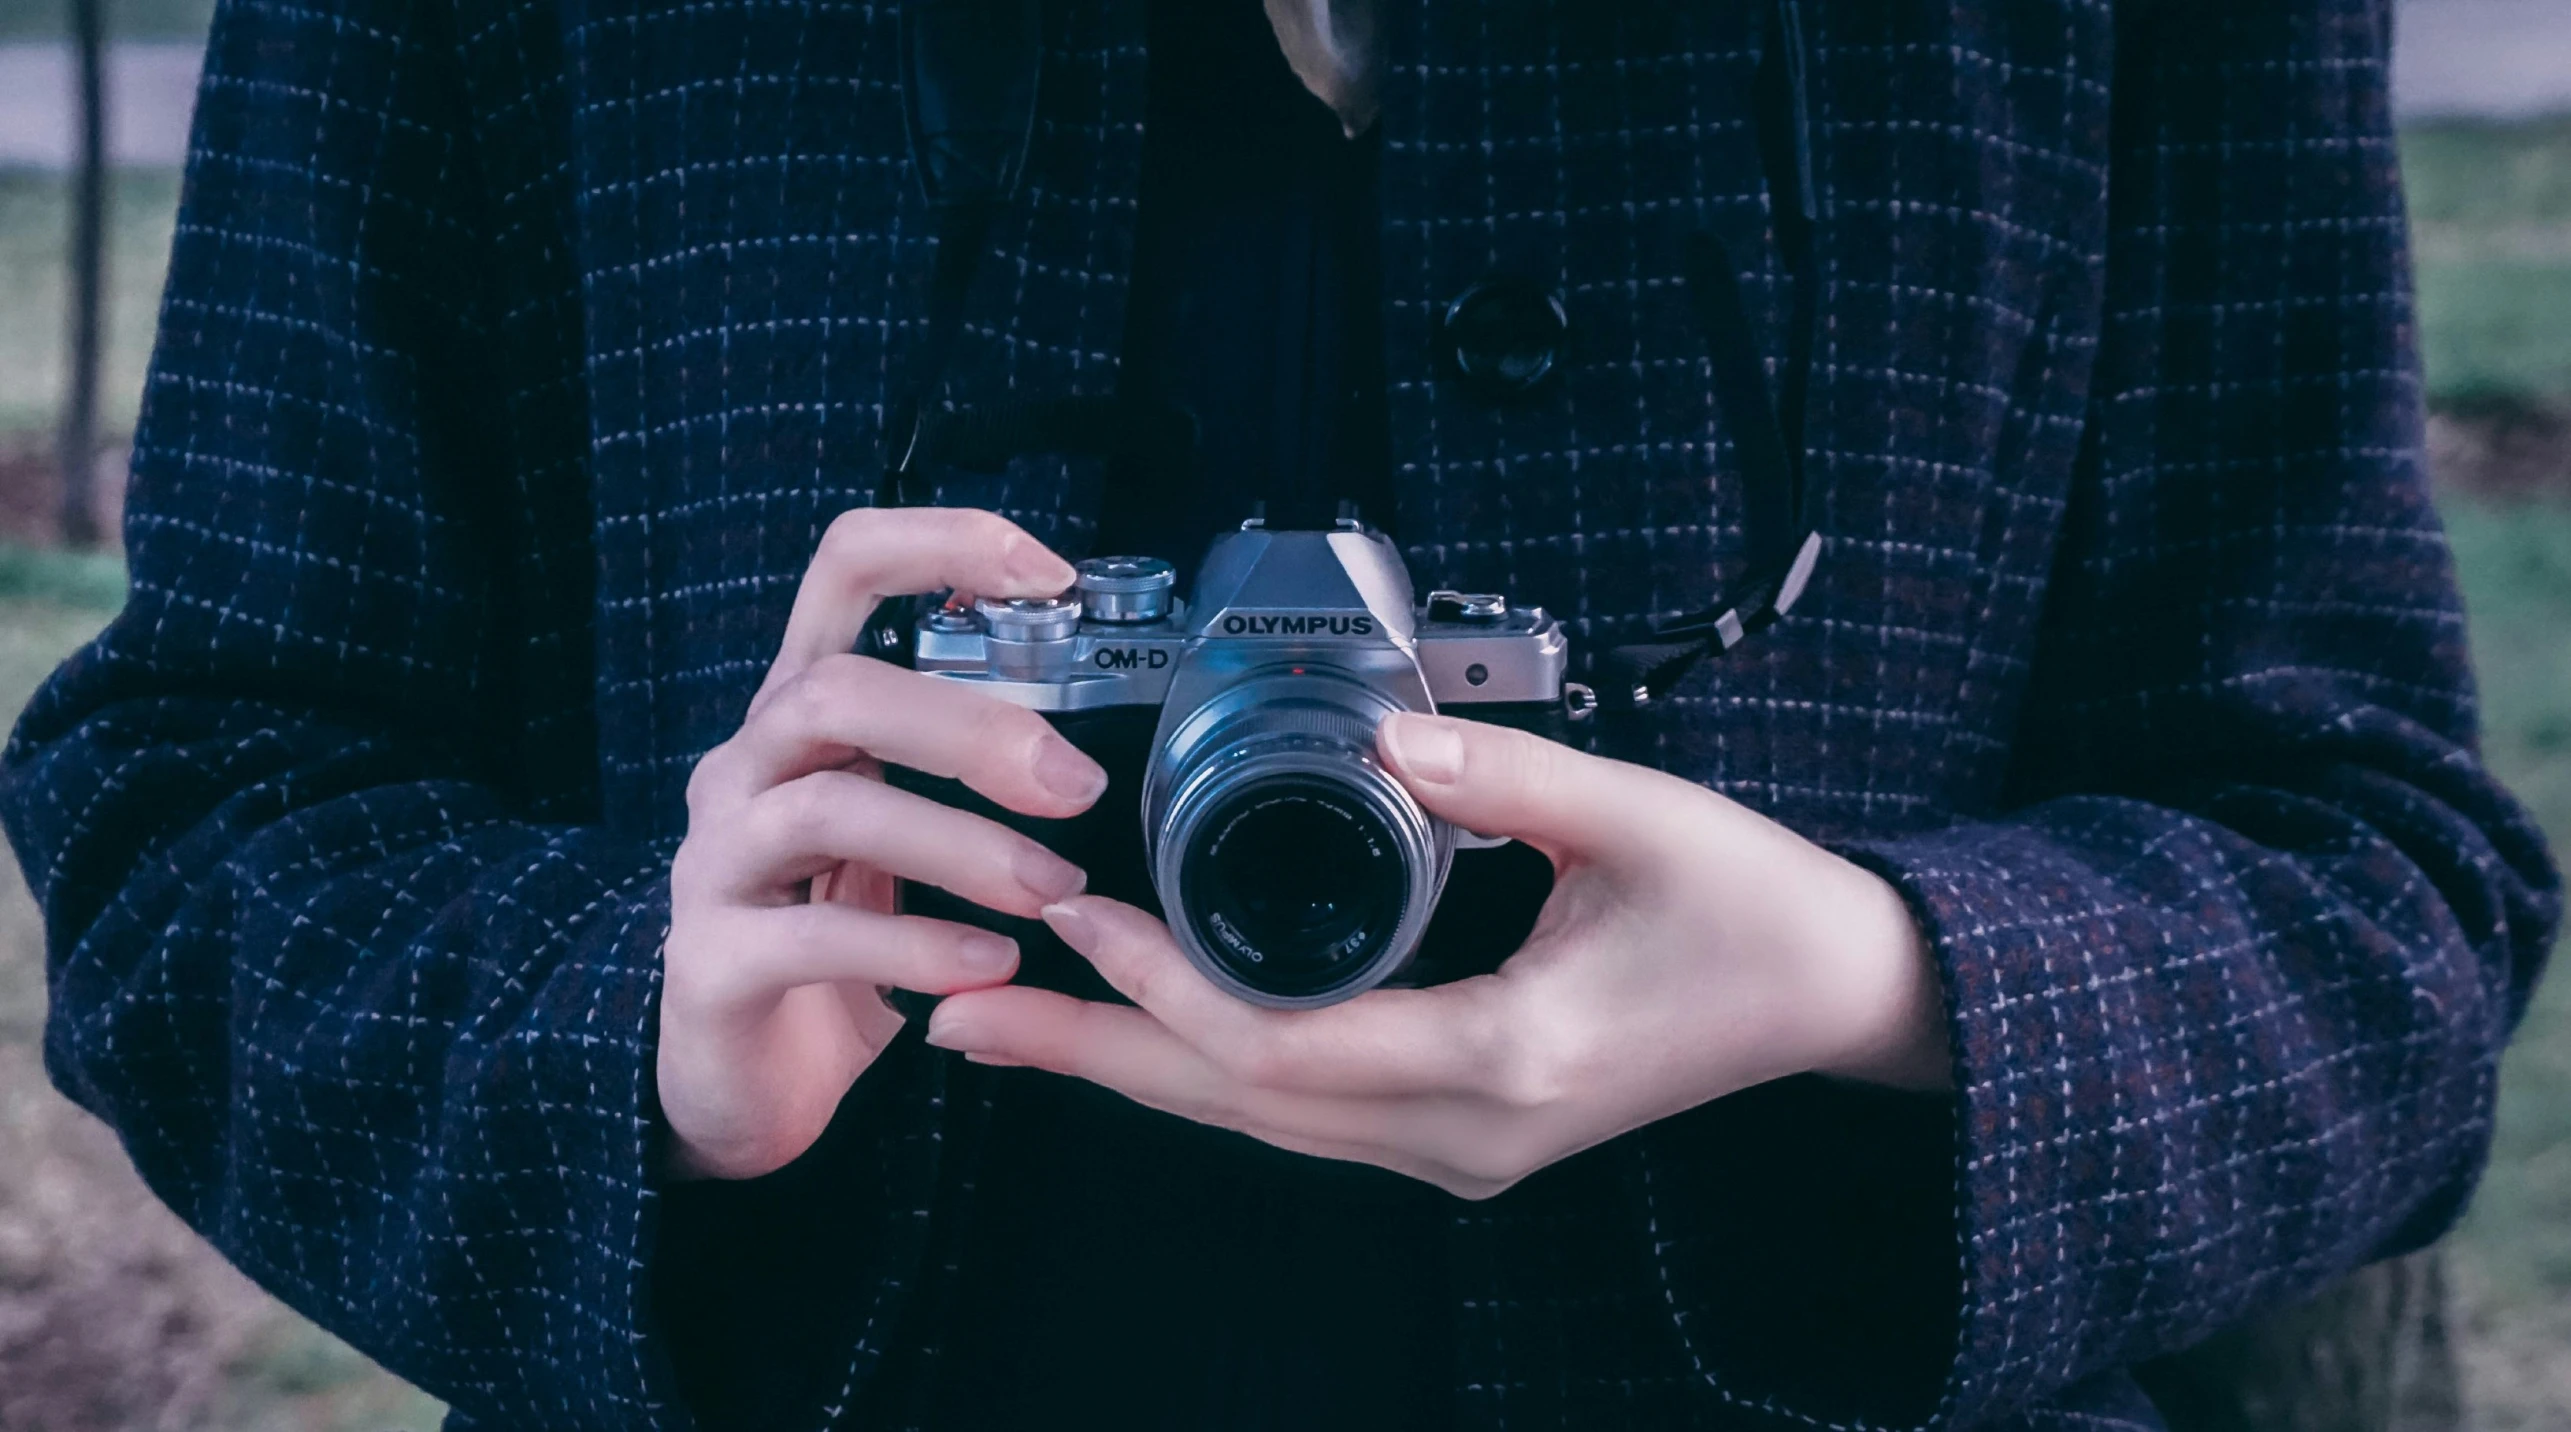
{"type": "Point", "coordinates": [2498, 330]}
{"type": "Point", "coordinates": [25, 20]}
{"type": "Point", "coordinates": [34, 228]}
{"type": "Point", "coordinates": [70, 581]}
{"type": "Point", "coordinates": [2490, 213]}
{"type": "Point", "coordinates": [2470, 178]}
{"type": "Point", "coordinates": [2515, 565]}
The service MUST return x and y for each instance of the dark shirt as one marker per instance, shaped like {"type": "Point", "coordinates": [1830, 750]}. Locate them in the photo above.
{"type": "Point", "coordinates": [1127, 1268]}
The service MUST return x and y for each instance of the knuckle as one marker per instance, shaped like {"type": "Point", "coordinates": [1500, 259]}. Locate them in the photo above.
{"type": "Point", "coordinates": [922, 951]}
{"type": "Point", "coordinates": [1145, 982]}
{"type": "Point", "coordinates": [685, 971]}
{"type": "Point", "coordinates": [820, 696]}
{"type": "Point", "coordinates": [844, 680]}
{"type": "Point", "coordinates": [797, 705]}
{"type": "Point", "coordinates": [1002, 724]}
{"type": "Point", "coordinates": [847, 536]}
{"type": "Point", "coordinates": [1001, 740]}
{"type": "Point", "coordinates": [685, 875]}
{"type": "Point", "coordinates": [1512, 1061]}
{"type": "Point", "coordinates": [705, 780]}
{"type": "Point", "coordinates": [808, 811]}
{"type": "Point", "coordinates": [981, 529]}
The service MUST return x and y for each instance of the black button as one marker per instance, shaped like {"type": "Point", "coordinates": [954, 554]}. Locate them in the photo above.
{"type": "Point", "coordinates": [1502, 337]}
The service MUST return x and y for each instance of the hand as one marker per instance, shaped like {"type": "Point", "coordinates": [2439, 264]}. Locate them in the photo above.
{"type": "Point", "coordinates": [783, 927]}
{"type": "Point", "coordinates": [1691, 948]}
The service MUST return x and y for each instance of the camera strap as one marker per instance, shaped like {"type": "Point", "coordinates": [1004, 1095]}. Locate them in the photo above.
{"type": "Point", "coordinates": [1767, 433]}
{"type": "Point", "coordinates": [969, 71]}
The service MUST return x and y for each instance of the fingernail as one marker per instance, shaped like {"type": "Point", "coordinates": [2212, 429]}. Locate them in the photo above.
{"type": "Point", "coordinates": [996, 1061]}
{"type": "Point", "coordinates": [1076, 929]}
{"type": "Point", "coordinates": [1031, 564]}
{"type": "Point", "coordinates": [1061, 769]}
{"type": "Point", "coordinates": [951, 1031]}
{"type": "Point", "coordinates": [1423, 746]}
{"type": "Point", "coordinates": [983, 953]}
{"type": "Point", "coordinates": [1048, 876]}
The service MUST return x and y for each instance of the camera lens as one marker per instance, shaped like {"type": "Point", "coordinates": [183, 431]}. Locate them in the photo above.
{"type": "Point", "coordinates": [1294, 869]}
{"type": "Point", "coordinates": [1296, 884]}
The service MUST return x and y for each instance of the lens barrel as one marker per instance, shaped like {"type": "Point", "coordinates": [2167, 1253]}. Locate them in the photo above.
{"type": "Point", "coordinates": [1294, 869]}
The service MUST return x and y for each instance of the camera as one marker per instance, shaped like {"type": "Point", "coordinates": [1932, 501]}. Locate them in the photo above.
{"type": "Point", "coordinates": [1292, 868]}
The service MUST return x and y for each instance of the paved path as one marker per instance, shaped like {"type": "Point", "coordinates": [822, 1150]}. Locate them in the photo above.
{"type": "Point", "coordinates": [2500, 59]}
{"type": "Point", "coordinates": [150, 90]}
{"type": "Point", "coordinates": [2492, 59]}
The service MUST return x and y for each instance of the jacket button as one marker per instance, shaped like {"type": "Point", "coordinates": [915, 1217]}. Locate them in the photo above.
{"type": "Point", "coordinates": [1502, 337]}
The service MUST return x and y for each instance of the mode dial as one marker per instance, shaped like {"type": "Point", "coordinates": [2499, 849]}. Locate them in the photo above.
{"type": "Point", "coordinates": [1126, 590]}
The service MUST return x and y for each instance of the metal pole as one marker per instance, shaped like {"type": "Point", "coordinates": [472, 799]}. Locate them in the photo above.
{"type": "Point", "coordinates": [78, 452]}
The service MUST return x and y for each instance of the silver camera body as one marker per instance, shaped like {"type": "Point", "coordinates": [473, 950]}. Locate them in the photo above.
{"type": "Point", "coordinates": [1294, 870]}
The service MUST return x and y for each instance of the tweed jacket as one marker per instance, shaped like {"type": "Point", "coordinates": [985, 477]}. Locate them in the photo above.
{"type": "Point", "coordinates": [516, 352]}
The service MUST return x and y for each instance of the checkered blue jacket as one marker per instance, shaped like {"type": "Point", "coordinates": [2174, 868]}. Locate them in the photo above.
{"type": "Point", "coordinates": [515, 355]}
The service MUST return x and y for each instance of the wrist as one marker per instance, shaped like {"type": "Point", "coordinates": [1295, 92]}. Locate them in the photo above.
{"type": "Point", "coordinates": [1893, 1006]}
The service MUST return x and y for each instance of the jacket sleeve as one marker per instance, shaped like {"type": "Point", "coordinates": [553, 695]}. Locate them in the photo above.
{"type": "Point", "coordinates": [337, 939]}
{"type": "Point", "coordinates": [2229, 979]}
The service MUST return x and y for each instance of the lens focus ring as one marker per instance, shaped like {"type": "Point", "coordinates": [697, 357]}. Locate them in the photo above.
{"type": "Point", "coordinates": [1294, 869]}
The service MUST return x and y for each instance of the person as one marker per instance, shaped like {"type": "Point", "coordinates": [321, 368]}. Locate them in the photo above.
{"type": "Point", "coordinates": [474, 864]}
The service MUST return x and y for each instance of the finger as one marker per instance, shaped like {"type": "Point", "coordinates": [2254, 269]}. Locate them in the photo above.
{"type": "Point", "coordinates": [873, 553]}
{"type": "Point", "coordinates": [1132, 1054]}
{"type": "Point", "coordinates": [1493, 780]}
{"type": "Point", "coordinates": [844, 707]}
{"type": "Point", "coordinates": [760, 954]}
{"type": "Point", "coordinates": [811, 825]}
{"type": "Point", "coordinates": [1122, 1048]}
{"type": "Point", "coordinates": [1454, 1038]}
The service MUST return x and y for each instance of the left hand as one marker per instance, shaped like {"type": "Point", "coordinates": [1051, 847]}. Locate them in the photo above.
{"type": "Point", "coordinates": [1691, 948]}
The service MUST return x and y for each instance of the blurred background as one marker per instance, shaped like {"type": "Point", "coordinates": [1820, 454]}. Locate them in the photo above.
{"type": "Point", "coordinates": [113, 1318]}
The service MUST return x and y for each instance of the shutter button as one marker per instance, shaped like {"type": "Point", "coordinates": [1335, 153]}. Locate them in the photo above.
{"type": "Point", "coordinates": [1029, 640]}
{"type": "Point", "coordinates": [1503, 337]}
{"type": "Point", "coordinates": [1476, 607]}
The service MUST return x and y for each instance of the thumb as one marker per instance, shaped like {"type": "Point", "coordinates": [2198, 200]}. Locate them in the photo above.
{"type": "Point", "coordinates": [1492, 780]}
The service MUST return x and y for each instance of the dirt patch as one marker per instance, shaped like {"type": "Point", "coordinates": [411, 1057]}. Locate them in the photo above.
{"type": "Point", "coordinates": [31, 495]}
{"type": "Point", "coordinates": [113, 1315]}
{"type": "Point", "coordinates": [2517, 1375]}
{"type": "Point", "coordinates": [2503, 448]}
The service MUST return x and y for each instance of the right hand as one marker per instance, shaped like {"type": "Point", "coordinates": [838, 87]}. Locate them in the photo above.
{"type": "Point", "coordinates": [784, 929]}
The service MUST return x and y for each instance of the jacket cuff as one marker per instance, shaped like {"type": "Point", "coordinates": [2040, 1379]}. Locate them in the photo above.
{"type": "Point", "coordinates": [556, 1134]}
{"type": "Point", "coordinates": [2061, 1005]}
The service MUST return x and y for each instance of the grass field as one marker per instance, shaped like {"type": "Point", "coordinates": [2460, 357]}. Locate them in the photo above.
{"type": "Point", "coordinates": [2513, 1253]}
{"type": "Point", "coordinates": [2493, 212]}
{"type": "Point", "coordinates": [25, 20]}
{"type": "Point", "coordinates": [33, 220]}
{"type": "Point", "coordinates": [2491, 217]}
